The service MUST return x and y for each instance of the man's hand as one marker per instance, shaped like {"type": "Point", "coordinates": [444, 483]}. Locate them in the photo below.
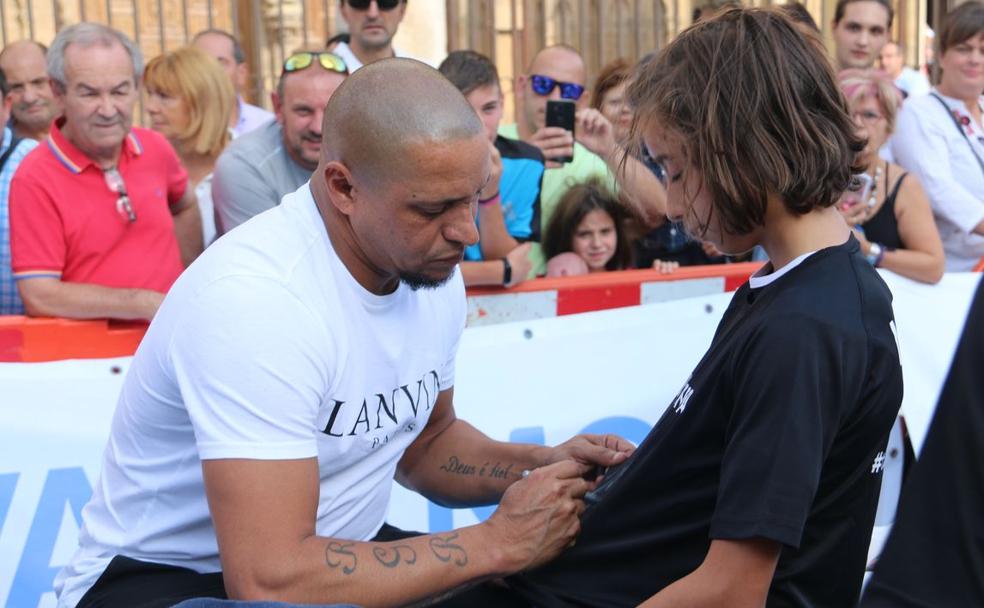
{"type": "Point", "coordinates": [538, 516]}
{"type": "Point", "coordinates": [554, 142]}
{"type": "Point", "coordinates": [492, 188]}
{"type": "Point", "coordinates": [596, 133]}
{"type": "Point", "coordinates": [593, 450]}
{"type": "Point", "coordinates": [519, 259]}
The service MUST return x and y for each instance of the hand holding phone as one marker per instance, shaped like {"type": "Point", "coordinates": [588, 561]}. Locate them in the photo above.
{"type": "Point", "coordinates": [858, 191]}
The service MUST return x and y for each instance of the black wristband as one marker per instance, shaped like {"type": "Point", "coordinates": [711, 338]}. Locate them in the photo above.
{"type": "Point", "coordinates": [506, 271]}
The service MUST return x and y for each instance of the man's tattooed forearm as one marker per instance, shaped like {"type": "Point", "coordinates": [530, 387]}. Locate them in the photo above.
{"type": "Point", "coordinates": [338, 555]}
{"type": "Point", "coordinates": [489, 470]}
{"type": "Point", "coordinates": [446, 551]}
{"type": "Point", "coordinates": [390, 557]}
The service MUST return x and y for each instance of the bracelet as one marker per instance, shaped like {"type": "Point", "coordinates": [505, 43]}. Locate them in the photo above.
{"type": "Point", "coordinates": [489, 201]}
{"type": "Point", "coordinates": [876, 253]}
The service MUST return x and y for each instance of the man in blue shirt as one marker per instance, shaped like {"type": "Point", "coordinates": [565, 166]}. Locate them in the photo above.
{"type": "Point", "coordinates": [12, 152]}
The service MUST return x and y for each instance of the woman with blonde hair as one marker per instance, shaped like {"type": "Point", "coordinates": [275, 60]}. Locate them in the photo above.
{"type": "Point", "coordinates": [190, 101]}
{"type": "Point", "coordinates": [888, 209]}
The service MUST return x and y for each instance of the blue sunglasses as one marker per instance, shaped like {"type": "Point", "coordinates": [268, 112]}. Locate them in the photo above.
{"type": "Point", "coordinates": [544, 85]}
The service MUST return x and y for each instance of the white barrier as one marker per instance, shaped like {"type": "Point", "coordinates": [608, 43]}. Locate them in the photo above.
{"type": "Point", "coordinates": [536, 381]}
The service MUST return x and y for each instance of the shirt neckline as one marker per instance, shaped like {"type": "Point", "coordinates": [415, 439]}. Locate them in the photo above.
{"type": "Point", "coordinates": [761, 278]}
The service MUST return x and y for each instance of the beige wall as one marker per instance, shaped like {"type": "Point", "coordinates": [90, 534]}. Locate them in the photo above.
{"type": "Point", "coordinates": [424, 32]}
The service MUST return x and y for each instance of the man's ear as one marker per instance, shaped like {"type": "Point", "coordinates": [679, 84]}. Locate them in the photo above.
{"type": "Point", "coordinates": [340, 186]}
{"type": "Point", "coordinates": [242, 77]}
{"type": "Point", "coordinates": [278, 106]}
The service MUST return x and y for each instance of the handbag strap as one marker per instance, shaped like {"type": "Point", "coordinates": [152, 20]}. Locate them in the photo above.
{"type": "Point", "coordinates": [960, 129]}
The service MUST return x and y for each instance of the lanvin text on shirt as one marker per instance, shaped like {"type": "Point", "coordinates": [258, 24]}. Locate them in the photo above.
{"type": "Point", "coordinates": [383, 411]}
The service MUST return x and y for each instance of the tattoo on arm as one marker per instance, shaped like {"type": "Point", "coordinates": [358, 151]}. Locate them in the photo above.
{"type": "Point", "coordinates": [488, 470]}
{"type": "Point", "coordinates": [390, 557]}
{"type": "Point", "coordinates": [446, 551]}
{"type": "Point", "coordinates": [338, 555]}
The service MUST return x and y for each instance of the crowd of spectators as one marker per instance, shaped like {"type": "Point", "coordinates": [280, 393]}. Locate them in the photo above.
{"type": "Point", "coordinates": [99, 219]}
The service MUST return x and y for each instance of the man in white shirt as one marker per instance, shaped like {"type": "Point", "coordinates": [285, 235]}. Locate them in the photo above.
{"type": "Point", "coordinates": [227, 51]}
{"type": "Point", "coordinates": [306, 361]}
{"type": "Point", "coordinates": [371, 25]}
{"type": "Point", "coordinates": [910, 82]}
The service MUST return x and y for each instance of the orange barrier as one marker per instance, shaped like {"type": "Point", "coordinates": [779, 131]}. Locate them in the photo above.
{"type": "Point", "coordinates": [28, 340]}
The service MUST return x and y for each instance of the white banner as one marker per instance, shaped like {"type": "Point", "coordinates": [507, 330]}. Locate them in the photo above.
{"type": "Point", "coordinates": [538, 381]}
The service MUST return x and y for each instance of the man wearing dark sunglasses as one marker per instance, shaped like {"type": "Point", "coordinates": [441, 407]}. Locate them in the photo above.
{"type": "Point", "coordinates": [371, 25]}
{"type": "Point", "coordinates": [558, 73]}
{"type": "Point", "coordinates": [257, 169]}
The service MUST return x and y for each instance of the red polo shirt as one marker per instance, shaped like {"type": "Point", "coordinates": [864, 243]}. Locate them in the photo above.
{"type": "Point", "coordinates": [64, 221]}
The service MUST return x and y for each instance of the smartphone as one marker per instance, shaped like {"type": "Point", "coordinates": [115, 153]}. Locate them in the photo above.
{"type": "Point", "coordinates": [561, 114]}
{"type": "Point", "coordinates": [857, 191]}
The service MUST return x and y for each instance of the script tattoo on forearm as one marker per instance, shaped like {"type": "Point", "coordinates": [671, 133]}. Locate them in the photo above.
{"type": "Point", "coordinates": [390, 557]}
{"type": "Point", "coordinates": [337, 555]}
{"type": "Point", "coordinates": [446, 551]}
{"type": "Point", "coordinates": [489, 470]}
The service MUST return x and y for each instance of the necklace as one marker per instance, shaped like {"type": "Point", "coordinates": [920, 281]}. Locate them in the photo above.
{"type": "Point", "coordinates": [873, 199]}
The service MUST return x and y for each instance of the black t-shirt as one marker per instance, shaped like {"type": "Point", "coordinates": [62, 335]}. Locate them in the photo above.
{"type": "Point", "coordinates": [777, 435]}
{"type": "Point", "coordinates": [935, 554]}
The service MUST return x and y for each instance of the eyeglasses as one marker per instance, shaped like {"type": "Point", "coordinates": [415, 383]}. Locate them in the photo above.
{"type": "Point", "coordinates": [867, 116]}
{"type": "Point", "coordinates": [329, 61]}
{"type": "Point", "coordinates": [114, 181]}
{"type": "Point", "coordinates": [544, 85]}
{"type": "Point", "coordinates": [384, 5]}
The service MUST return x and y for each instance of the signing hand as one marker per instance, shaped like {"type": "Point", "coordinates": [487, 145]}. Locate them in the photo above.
{"type": "Point", "coordinates": [593, 450]}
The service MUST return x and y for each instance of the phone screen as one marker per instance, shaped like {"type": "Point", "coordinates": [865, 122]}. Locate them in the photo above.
{"type": "Point", "coordinates": [561, 114]}
{"type": "Point", "coordinates": [857, 192]}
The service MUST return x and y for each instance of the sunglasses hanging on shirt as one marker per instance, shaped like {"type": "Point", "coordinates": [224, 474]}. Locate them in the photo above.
{"type": "Point", "coordinates": [114, 181]}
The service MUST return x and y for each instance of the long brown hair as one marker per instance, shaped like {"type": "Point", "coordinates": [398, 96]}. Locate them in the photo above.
{"type": "Point", "coordinates": [757, 111]}
{"type": "Point", "coordinates": [580, 200]}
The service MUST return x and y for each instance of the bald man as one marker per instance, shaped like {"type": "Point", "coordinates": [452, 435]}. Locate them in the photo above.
{"type": "Point", "coordinates": [558, 73]}
{"type": "Point", "coordinates": [305, 361]}
{"type": "Point", "coordinates": [33, 106]}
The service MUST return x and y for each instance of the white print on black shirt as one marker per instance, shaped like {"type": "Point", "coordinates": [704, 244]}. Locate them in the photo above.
{"type": "Point", "coordinates": [878, 464]}
{"type": "Point", "coordinates": [402, 399]}
{"type": "Point", "coordinates": [680, 403]}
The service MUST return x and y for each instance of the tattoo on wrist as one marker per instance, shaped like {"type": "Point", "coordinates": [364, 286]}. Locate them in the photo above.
{"type": "Point", "coordinates": [488, 470]}
{"type": "Point", "coordinates": [338, 555]}
{"type": "Point", "coordinates": [446, 551]}
{"type": "Point", "coordinates": [390, 557]}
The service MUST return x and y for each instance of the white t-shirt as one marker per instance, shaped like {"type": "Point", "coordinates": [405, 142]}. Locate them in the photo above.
{"type": "Point", "coordinates": [927, 143]}
{"type": "Point", "coordinates": [266, 348]}
{"type": "Point", "coordinates": [344, 51]}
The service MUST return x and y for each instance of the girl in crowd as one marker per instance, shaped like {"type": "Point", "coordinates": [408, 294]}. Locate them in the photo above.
{"type": "Point", "coordinates": [190, 101]}
{"type": "Point", "coordinates": [589, 223]}
{"type": "Point", "coordinates": [940, 137]}
{"type": "Point", "coordinates": [894, 223]}
{"type": "Point", "coordinates": [666, 243]}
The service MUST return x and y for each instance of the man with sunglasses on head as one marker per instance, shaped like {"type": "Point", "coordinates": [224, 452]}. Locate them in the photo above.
{"type": "Point", "coordinates": [558, 73]}
{"type": "Point", "coordinates": [102, 220]}
{"type": "Point", "coordinates": [257, 169]}
{"type": "Point", "coordinates": [371, 25]}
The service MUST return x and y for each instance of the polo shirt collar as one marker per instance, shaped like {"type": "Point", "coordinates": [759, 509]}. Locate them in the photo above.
{"type": "Point", "coordinates": [74, 159]}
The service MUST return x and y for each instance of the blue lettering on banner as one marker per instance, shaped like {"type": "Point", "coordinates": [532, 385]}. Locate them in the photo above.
{"type": "Point", "coordinates": [8, 482]}
{"type": "Point", "coordinates": [441, 519]}
{"type": "Point", "coordinates": [35, 576]}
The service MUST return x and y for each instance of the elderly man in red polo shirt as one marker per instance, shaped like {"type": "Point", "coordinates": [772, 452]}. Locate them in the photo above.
{"type": "Point", "coordinates": [102, 219]}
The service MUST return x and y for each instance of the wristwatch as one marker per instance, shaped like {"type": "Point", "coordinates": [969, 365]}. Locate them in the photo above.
{"type": "Point", "coordinates": [506, 272]}
{"type": "Point", "coordinates": [875, 254]}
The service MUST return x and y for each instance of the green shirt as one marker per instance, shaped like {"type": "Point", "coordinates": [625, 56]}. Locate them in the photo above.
{"type": "Point", "coordinates": [585, 167]}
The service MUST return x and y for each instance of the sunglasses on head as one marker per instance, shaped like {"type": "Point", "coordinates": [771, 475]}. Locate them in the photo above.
{"type": "Point", "coordinates": [544, 85]}
{"type": "Point", "coordinates": [329, 61]}
{"type": "Point", "coordinates": [384, 5]}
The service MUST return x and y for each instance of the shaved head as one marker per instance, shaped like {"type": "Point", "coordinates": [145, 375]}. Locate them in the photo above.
{"type": "Point", "coordinates": [388, 107]}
